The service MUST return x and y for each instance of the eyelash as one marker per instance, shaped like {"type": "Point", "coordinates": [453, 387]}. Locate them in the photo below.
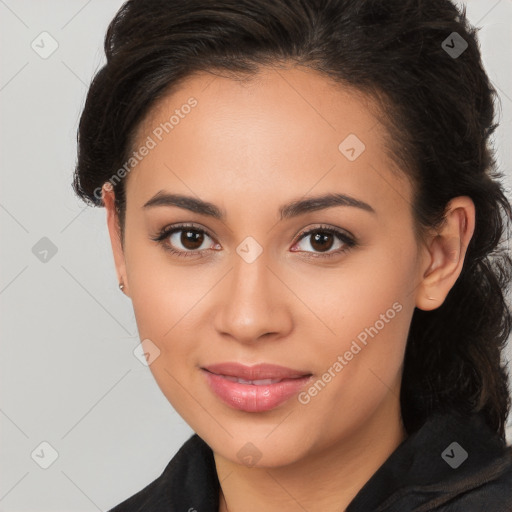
{"type": "Point", "coordinates": [166, 232]}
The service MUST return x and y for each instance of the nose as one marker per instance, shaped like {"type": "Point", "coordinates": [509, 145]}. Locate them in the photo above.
{"type": "Point", "coordinates": [253, 302]}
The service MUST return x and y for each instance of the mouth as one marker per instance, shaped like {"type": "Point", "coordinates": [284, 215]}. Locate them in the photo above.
{"type": "Point", "coordinates": [255, 373]}
{"type": "Point", "coordinates": [256, 388]}
{"type": "Point", "coordinates": [259, 382]}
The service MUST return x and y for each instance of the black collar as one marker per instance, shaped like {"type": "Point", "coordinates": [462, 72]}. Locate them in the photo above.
{"type": "Point", "coordinates": [447, 458]}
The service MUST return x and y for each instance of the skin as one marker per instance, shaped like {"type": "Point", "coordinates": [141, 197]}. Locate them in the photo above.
{"type": "Point", "coordinates": [249, 148]}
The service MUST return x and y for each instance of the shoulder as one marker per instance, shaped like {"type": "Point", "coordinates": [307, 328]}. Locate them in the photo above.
{"type": "Point", "coordinates": [494, 493]}
{"type": "Point", "coordinates": [453, 463]}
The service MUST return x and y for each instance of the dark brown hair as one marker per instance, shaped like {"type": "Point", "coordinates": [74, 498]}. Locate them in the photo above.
{"type": "Point", "coordinates": [439, 108]}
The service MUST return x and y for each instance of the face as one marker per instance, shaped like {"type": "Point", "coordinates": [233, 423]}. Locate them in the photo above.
{"type": "Point", "coordinates": [327, 291]}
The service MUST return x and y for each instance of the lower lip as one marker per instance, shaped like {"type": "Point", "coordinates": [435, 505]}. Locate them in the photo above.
{"type": "Point", "coordinates": [253, 398]}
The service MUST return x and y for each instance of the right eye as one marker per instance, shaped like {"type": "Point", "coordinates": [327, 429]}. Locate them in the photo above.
{"type": "Point", "coordinates": [188, 236]}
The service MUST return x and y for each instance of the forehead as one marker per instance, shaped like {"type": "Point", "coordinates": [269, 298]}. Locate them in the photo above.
{"type": "Point", "coordinates": [273, 99]}
{"type": "Point", "coordinates": [292, 127]}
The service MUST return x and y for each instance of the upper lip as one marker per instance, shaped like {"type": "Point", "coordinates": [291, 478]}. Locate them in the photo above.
{"type": "Point", "coordinates": [255, 372]}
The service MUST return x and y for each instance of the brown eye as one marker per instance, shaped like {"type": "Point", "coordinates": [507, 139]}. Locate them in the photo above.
{"type": "Point", "coordinates": [191, 239]}
{"type": "Point", "coordinates": [185, 241]}
{"type": "Point", "coordinates": [322, 239]}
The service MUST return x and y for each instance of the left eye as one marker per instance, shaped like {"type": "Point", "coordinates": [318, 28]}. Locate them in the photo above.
{"type": "Point", "coordinates": [322, 240]}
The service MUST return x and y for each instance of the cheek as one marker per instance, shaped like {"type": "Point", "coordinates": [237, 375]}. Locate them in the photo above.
{"type": "Point", "coordinates": [164, 310]}
{"type": "Point", "coordinates": [368, 306]}
{"type": "Point", "coordinates": [360, 366]}
{"type": "Point", "coordinates": [162, 289]}
{"type": "Point", "coordinates": [369, 289]}
{"type": "Point", "coordinates": [166, 302]}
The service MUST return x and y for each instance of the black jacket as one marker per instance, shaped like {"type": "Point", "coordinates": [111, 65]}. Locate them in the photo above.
{"type": "Point", "coordinates": [450, 464]}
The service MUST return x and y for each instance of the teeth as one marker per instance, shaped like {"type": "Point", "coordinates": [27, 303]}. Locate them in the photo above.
{"type": "Point", "coordinates": [263, 382]}
{"type": "Point", "coordinates": [260, 382]}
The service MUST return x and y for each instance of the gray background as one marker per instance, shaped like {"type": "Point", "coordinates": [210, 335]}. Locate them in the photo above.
{"type": "Point", "coordinates": [68, 373]}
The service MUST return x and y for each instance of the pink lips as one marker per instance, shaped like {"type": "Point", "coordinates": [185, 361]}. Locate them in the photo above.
{"type": "Point", "coordinates": [266, 386]}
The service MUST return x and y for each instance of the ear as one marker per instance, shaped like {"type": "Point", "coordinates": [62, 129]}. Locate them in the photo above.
{"type": "Point", "coordinates": [114, 230]}
{"type": "Point", "coordinates": [446, 251]}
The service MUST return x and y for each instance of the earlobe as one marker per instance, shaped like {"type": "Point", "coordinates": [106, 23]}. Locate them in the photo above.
{"type": "Point", "coordinates": [115, 235]}
{"type": "Point", "coordinates": [447, 250]}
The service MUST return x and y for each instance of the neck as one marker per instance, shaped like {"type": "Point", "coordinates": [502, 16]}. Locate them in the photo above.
{"type": "Point", "coordinates": [326, 480]}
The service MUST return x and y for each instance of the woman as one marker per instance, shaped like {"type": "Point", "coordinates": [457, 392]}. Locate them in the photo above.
{"type": "Point", "coordinates": [305, 211]}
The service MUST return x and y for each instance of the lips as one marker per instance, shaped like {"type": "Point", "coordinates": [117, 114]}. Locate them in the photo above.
{"type": "Point", "coordinates": [256, 388]}
{"type": "Point", "coordinates": [257, 382]}
{"type": "Point", "coordinates": [259, 372]}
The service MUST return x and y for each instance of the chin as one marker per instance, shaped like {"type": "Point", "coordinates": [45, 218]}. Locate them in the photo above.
{"type": "Point", "coordinates": [254, 447]}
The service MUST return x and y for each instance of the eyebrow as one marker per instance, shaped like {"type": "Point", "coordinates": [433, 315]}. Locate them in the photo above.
{"type": "Point", "coordinates": [286, 211]}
